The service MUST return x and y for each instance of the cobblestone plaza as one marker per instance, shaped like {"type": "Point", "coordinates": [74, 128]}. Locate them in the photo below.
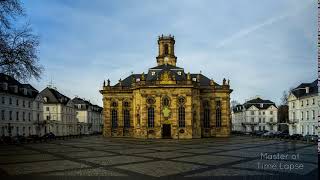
{"type": "Point", "coordinates": [98, 156]}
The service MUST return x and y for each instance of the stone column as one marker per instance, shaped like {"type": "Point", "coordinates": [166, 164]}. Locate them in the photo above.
{"type": "Point", "coordinates": [107, 117]}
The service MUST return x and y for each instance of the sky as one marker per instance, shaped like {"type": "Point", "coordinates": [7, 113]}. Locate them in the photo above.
{"type": "Point", "coordinates": [264, 47]}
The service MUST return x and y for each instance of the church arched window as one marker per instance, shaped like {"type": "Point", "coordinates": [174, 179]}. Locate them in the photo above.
{"type": "Point", "coordinates": [114, 118]}
{"type": "Point", "coordinates": [181, 113]}
{"type": "Point", "coordinates": [126, 118]}
{"type": "Point", "coordinates": [126, 114]}
{"type": "Point", "coordinates": [218, 113]}
{"type": "Point", "coordinates": [206, 114]}
{"type": "Point", "coordinates": [150, 117]}
{"type": "Point", "coordinates": [165, 101]}
{"type": "Point", "coordinates": [166, 49]}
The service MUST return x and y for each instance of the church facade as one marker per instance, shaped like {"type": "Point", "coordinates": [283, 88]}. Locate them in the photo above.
{"type": "Point", "coordinates": [166, 102]}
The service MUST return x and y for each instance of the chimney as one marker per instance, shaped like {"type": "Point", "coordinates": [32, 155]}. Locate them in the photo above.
{"type": "Point", "coordinates": [307, 90]}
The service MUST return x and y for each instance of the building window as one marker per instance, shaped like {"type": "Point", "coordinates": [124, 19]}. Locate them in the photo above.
{"type": "Point", "coordinates": [301, 115]}
{"type": "Point", "coordinates": [17, 131]}
{"type": "Point", "coordinates": [29, 130]}
{"type": "Point", "coordinates": [23, 116]}
{"type": "Point", "coordinates": [271, 119]}
{"type": "Point", "coordinates": [10, 100]}
{"type": "Point", "coordinates": [206, 118]}
{"type": "Point", "coordinates": [271, 112]}
{"type": "Point", "coordinates": [301, 103]}
{"type": "Point", "coordinates": [313, 114]}
{"type": "Point", "coordinates": [48, 117]}
{"type": "Point", "coordinates": [10, 115]}
{"type": "Point", "coordinates": [17, 102]}
{"type": "Point", "coordinates": [38, 117]}
{"type": "Point", "coordinates": [150, 117]}
{"type": "Point", "coordinates": [218, 113]}
{"type": "Point", "coordinates": [307, 115]}
{"type": "Point", "coordinates": [307, 102]}
{"type": "Point", "coordinates": [114, 118]}
{"type": "Point", "coordinates": [252, 120]}
{"type": "Point", "coordinates": [23, 103]}
{"type": "Point", "coordinates": [293, 104]}
{"type": "Point", "coordinates": [29, 117]}
{"type": "Point", "coordinates": [47, 108]}
{"type": "Point", "coordinates": [313, 102]}
{"type": "Point", "coordinates": [166, 49]}
{"type": "Point", "coordinates": [165, 101]}
{"type": "Point", "coordinates": [114, 104]}
{"type": "Point", "coordinates": [2, 114]}
{"type": "Point", "coordinates": [264, 120]}
{"type": "Point", "coordinates": [3, 100]}
{"type": "Point", "coordinates": [182, 122]}
{"type": "Point", "coordinates": [17, 117]}
{"type": "Point", "coordinates": [126, 118]}
{"type": "Point", "coordinates": [252, 112]}
{"type": "Point", "coordinates": [259, 120]}
{"type": "Point", "coordinates": [263, 113]}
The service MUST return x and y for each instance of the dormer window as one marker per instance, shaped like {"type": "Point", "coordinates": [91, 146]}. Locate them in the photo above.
{"type": "Point", "coordinates": [194, 79]}
{"type": "Point", "coordinates": [138, 79]}
{"type": "Point", "coordinates": [179, 73]}
{"type": "Point", "coordinates": [45, 99]}
{"type": "Point", "coordinates": [261, 105]}
{"type": "Point", "coordinates": [153, 73]}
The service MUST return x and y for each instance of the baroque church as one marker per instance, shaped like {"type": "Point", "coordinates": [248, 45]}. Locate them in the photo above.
{"type": "Point", "coordinates": [166, 102]}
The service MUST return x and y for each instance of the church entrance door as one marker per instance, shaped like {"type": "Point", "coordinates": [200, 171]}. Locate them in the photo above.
{"type": "Point", "coordinates": [166, 131]}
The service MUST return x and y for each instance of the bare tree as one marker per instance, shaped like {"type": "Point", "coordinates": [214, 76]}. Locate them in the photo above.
{"type": "Point", "coordinates": [234, 103]}
{"type": "Point", "coordinates": [18, 45]}
{"type": "Point", "coordinates": [284, 98]}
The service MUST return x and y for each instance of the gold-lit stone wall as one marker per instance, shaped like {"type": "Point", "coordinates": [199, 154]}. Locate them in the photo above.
{"type": "Point", "coordinates": [167, 80]}
{"type": "Point", "coordinates": [138, 107]}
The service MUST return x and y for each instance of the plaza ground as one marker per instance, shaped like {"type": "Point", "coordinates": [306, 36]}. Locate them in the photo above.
{"type": "Point", "coordinates": [99, 156]}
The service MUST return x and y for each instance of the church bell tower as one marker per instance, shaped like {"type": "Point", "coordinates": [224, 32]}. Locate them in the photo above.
{"type": "Point", "coordinates": [166, 50]}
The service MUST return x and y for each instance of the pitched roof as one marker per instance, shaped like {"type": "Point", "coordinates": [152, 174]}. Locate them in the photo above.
{"type": "Point", "coordinates": [300, 91]}
{"type": "Point", "coordinates": [10, 85]}
{"type": "Point", "coordinates": [54, 96]}
{"type": "Point", "coordinates": [85, 104]}
{"type": "Point", "coordinates": [259, 103]}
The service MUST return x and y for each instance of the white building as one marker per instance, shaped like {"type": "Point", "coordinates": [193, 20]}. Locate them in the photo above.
{"type": "Point", "coordinates": [255, 115]}
{"type": "Point", "coordinates": [89, 116]}
{"type": "Point", "coordinates": [304, 105]}
{"type": "Point", "coordinates": [21, 108]}
{"type": "Point", "coordinates": [59, 113]}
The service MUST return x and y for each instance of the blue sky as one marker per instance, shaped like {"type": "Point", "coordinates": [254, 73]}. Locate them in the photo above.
{"type": "Point", "coordinates": [264, 47]}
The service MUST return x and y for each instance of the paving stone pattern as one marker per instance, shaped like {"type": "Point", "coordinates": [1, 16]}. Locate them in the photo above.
{"type": "Point", "coordinates": [123, 157]}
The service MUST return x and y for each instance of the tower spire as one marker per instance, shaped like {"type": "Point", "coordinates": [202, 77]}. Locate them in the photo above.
{"type": "Point", "coordinates": [166, 50]}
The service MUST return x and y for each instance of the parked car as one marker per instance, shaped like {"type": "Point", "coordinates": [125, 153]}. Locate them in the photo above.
{"type": "Point", "coordinates": [296, 136]}
{"type": "Point", "coordinates": [260, 133]}
{"type": "Point", "coordinates": [269, 134]}
{"type": "Point", "coordinates": [313, 138]}
{"type": "Point", "coordinates": [284, 135]}
{"type": "Point", "coordinates": [48, 136]}
{"type": "Point", "coordinates": [19, 139]}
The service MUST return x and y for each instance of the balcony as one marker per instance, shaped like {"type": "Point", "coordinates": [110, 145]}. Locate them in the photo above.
{"type": "Point", "coordinates": [250, 123]}
{"type": "Point", "coordinates": [293, 121]}
{"type": "Point", "coordinates": [272, 123]}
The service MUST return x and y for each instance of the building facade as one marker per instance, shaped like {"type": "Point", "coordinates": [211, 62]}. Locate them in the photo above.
{"type": "Point", "coordinates": [166, 102]}
{"type": "Point", "coordinates": [88, 115]}
{"type": "Point", "coordinates": [59, 113]}
{"type": "Point", "coordinates": [21, 108]}
{"type": "Point", "coordinates": [304, 105]}
{"type": "Point", "coordinates": [255, 115]}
